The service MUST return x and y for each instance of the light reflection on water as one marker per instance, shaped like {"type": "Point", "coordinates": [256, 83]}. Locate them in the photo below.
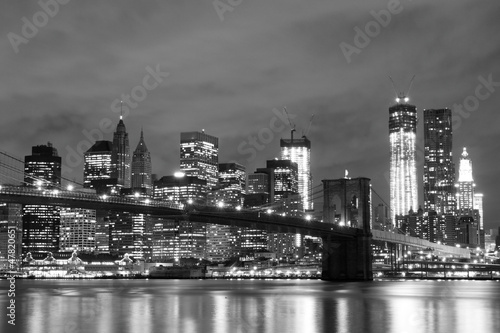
{"type": "Point", "coordinates": [222, 306]}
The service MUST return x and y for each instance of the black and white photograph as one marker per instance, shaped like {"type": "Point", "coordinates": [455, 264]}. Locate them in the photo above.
{"type": "Point", "coordinates": [241, 166]}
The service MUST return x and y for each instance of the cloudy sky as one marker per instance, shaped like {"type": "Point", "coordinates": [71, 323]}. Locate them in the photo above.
{"type": "Point", "coordinates": [229, 66]}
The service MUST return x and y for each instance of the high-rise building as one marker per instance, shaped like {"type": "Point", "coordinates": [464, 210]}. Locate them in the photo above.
{"type": "Point", "coordinates": [179, 238]}
{"type": "Point", "coordinates": [465, 183]}
{"type": "Point", "coordinates": [439, 169]}
{"type": "Point", "coordinates": [41, 223]}
{"type": "Point", "coordinates": [97, 166]}
{"type": "Point", "coordinates": [120, 156]}
{"type": "Point", "coordinates": [11, 228]}
{"type": "Point", "coordinates": [141, 168]}
{"type": "Point", "coordinates": [478, 204]}
{"type": "Point", "coordinates": [222, 241]}
{"type": "Point", "coordinates": [470, 204]}
{"type": "Point", "coordinates": [199, 154]}
{"type": "Point", "coordinates": [180, 189]}
{"type": "Point", "coordinates": [231, 187]}
{"type": "Point", "coordinates": [299, 151]}
{"type": "Point", "coordinates": [403, 169]}
{"type": "Point", "coordinates": [78, 226]}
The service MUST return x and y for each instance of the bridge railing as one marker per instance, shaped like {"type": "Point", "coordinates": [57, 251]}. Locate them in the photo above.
{"type": "Point", "coordinates": [198, 210]}
{"type": "Point", "coordinates": [76, 195]}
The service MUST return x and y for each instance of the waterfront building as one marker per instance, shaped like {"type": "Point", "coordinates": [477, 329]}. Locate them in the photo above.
{"type": "Point", "coordinates": [41, 223]}
{"type": "Point", "coordinates": [182, 238]}
{"type": "Point", "coordinates": [77, 231]}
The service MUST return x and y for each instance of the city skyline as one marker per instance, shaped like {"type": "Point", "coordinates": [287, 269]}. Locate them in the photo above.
{"type": "Point", "coordinates": [229, 80]}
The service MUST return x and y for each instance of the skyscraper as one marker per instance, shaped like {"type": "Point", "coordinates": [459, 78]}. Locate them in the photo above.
{"type": "Point", "coordinates": [41, 223]}
{"type": "Point", "coordinates": [403, 170]}
{"type": "Point", "coordinates": [231, 186]}
{"type": "Point", "coordinates": [141, 168]}
{"type": "Point", "coordinates": [199, 157]}
{"type": "Point", "coordinates": [120, 156]}
{"type": "Point", "coordinates": [78, 228]}
{"type": "Point", "coordinates": [465, 183]}
{"type": "Point", "coordinates": [97, 164]}
{"type": "Point", "coordinates": [299, 151]}
{"type": "Point", "coordinates": [439, 169]}
{"type": "Point", "coordinates": [470, 205]}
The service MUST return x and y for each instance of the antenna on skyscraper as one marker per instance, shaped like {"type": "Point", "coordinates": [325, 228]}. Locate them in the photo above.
{"type": "Point", "coordinates": [121, 110]}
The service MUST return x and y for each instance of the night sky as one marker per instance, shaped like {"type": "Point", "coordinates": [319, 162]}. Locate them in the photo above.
{"type": "Point", "coordinates": [228, 71]}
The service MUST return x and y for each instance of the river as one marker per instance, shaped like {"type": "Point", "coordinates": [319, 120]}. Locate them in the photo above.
{"type": "Point", "coordinates": [232, 306]}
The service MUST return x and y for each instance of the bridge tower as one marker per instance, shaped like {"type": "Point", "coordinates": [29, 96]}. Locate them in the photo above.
{"type": "Point", "coordinates": [347, 202]}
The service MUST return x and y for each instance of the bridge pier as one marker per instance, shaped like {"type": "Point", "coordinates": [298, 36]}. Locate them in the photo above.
{"type": "Point", "coordinates": [347, 259]}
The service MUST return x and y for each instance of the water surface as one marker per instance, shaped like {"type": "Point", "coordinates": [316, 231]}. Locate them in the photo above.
{"type": "Point", "coordinates": [231, 306]}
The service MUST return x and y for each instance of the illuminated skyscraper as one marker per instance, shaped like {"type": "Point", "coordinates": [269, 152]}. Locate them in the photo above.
{"type": "Point", "coordinates": [439, 169]}
{"type": "Point", "coordinates": [179, 237]}
{"type": "Point", "coordinates": [231, 187]}
{"type": "Point", "coordinates": [200, 157]}
{"type": "Point", "coordinates": [299, 151]}
{"type": "Point", "coordinates": [465, 183]}
{"type": "Point", "coordinates": [470, 205]}
{"type": "Point", "coordinates": [41, 223]}
{"type": "Point", "coordinates": [403, 169]}
{"type": "Point", "coordinates": [78, 227]}
{"type": "Point", "coordinates": [141, 168]}
{"type": "Point", "coordinates": [120, 157]}
{"type": "Point", "coordinates": [478, 204]}
{"type": "Point", "coordinates": [97, 164]}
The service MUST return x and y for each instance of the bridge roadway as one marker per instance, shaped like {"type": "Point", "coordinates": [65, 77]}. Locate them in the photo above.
{"type": "Point", "coordinates": [208, 214]}
{"type": "Point", "coordinates": [161, 208]}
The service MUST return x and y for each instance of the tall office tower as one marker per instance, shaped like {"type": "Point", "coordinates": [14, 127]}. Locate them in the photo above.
{"type": "Point", "coordinates": [200, 157]}
{"type": "Point", "coordinates": [403, 169]}
{"type": "Point", "coordinates": [259, 190]}
{"type": "Point", "coordinates": [141, 168]}
{"type": "Point", "coordinates": [180, 189]}
{"type": "Point", "coordinates": [299, 151]}
{"type": "Point", "coordinates": [465, 183]}
{"type": "Point", "coordinates": [41, 223]}
{"type": "Point", "coordinates": [120, 156]}
{"type": "Point", "coordinates": [11, 230]}
{"type": "Point", "coordinates": [78, 227]}
{"type": "Point", "coordinates": [231, 187]}
{"type": "Point", "coordinates": [179, 238]}
{"type": "Point", "coordinates": [478, 210]}
{"type": "Point", "coordinates": [222, 241]}
{"type": "Point", "coordinates": [97, 167]}
{"type": "Point", "coordinates": [439, 169]}
{"type": "Point", "coordinates": [285, 178]}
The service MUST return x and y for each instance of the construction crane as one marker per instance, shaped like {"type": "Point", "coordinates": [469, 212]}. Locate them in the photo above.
{"type": "Point", "coordinates": [292, 125]}
{"type": "Point", "coordinates": [402, 95]}
{"type": "Point", "coordinates": [309, 127]}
